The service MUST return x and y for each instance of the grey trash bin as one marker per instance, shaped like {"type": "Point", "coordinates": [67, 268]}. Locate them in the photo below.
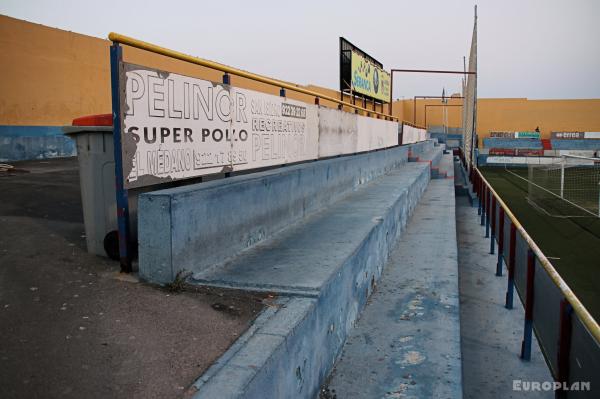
{"type": "Point", "coordinates": [94, 140]}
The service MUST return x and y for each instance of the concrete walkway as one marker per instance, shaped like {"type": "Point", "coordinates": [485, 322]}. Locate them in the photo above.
{"type": "Point", "coordinates": [406, 343]}
{"type": "Point", "coordinates": [490, 334]}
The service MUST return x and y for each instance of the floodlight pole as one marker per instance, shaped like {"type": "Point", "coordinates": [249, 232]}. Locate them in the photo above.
{"type": "Point", "coordinates": [419, 71]}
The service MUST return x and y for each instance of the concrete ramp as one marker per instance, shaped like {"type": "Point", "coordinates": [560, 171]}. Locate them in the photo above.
{"type": "Point", "coordinates": [406, 343]}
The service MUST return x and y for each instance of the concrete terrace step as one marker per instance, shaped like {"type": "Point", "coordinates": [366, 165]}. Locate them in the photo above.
{"type": "Point", "coordinates": [305, 256]}
{"type": "Point", "coordinates": [407, 340]}
{"type": "Point", "coordinates": [326, 267]}
{"type": "Point", "coordinates": [446, 167]}
{"type": "Point", "coordinates": [433, 156]}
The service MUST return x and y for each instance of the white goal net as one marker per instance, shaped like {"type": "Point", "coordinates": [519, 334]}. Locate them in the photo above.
{"type": "Point", "coordinates": [567, 187]}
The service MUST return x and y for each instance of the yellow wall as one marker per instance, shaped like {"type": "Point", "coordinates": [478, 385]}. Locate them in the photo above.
{"type": "Point", "coordinates": [434, 112]}
{"type": "Point", "coordinates": [521, 114]}
{"type": "Point", "coordinates": [50, 76]}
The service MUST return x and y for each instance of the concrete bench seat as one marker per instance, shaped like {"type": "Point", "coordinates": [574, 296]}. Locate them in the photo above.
{"type": "Point", "coordinates": [194, 228]}
{"type": "Point", "coordinates": [434, 157]}
{"type": "Point", "coordinates": [325, 267]}
{"type": "Point", "coordinates": [304, 257]}
{"type": "Point", "coordinates": [317, 235]}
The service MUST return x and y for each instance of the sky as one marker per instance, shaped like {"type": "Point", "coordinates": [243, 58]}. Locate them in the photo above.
{"type": "Point", "coordinates": [527, 48]}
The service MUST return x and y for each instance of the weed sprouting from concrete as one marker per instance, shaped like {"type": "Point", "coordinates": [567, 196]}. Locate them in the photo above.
{"type": "Point", "coordinates": [178, 284]}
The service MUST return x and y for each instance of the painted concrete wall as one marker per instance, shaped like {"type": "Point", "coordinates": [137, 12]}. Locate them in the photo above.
{"type": "Point", "coordinates": [195, 219]}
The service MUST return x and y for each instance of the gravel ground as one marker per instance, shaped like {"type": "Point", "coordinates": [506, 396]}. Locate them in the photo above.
{"type": "Point", "coordinates": [72, 326]}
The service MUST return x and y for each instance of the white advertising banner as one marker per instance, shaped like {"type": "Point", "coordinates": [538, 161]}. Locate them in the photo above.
{"type": "Point", "coordinates": [338, 132]}
{"type": "Point", "coordinates": [591, 135]}
{"type": "Point", "coordinates": [348, 133]}
{"type": "Point", "coordinates": [412, 134]}
{"type": "Point", "coordinates": [176, 127]}
{"type": "Point", "coordinates": [374, 133]}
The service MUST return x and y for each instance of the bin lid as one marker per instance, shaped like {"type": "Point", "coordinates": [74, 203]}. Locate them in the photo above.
{"type": "Point", "coordinates": [94, 120]}
{"type": "Point", "coordinates": [100, 123]}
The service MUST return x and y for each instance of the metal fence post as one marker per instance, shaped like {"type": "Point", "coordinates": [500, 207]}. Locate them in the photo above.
{"type": "Point", "coordinates": [511, 266]}
{"type": "Point", "coordinates": [487, 212]}
{"type": "Point", "coordinates": [478, 191]}
{"type": "Point", "coordinates": [527, 332]}
{"type": "Point", "coordinates": [282, 92]}
{"type": "Point", "coordinates": [493, 225]}
{"type": "Point", "coordinates": [500, 241]}
{"type": "Point", "coordinates": [116, 57]}
{"type": "Point", "coordinates": [483, 196]}
{"type": "Point", "coordinates": [564, 345]}
{"type": "Point", "coordinates": [226, 79]}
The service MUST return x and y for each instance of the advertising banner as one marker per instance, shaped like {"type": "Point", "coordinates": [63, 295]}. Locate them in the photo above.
{"type": "Point", "coordinates": [508, 135]}
{"type": "Point", "coordinates": [527, 135]}
{"type": "Point", "coordinates": [347, 133]}
{"type": "Point", "coordinates": [176, 127]}
{"type": "Point", "coordinates": [575, 135]}
{"type": "Point", "coordinates": [412, 134]}
{"type": "Point", "coordinates": [369, 79]}
{"type": "Point", "coordinates": [567, 135]}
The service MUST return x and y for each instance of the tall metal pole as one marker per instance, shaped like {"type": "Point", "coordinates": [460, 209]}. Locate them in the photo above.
{"type": "Point", "coordinates": [420, 71]}
{"type": "Point", "coordinates": [438, 105]}
{"type": "Point", "coordinates": [424, 97]}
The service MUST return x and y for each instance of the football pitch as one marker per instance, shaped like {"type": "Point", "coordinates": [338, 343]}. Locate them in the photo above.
{"type": "Point", "coordinates": [572, 244]}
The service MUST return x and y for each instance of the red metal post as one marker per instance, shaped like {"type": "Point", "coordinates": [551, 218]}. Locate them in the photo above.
{"type": "Point", "coordinates": [528, 329]}
{"type": "Point", "coordinates": [564, 345]}
{"type": "Point", "coordinates": [511, 266]}
{"type": "Point", "coordinates": [500, 241]}
{"type": "Point", "coordinates": [493, 225]}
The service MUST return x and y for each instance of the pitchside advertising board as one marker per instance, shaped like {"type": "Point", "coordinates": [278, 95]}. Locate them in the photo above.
{"type": "Point", "coordinates": [176, 127]}
{"type": "Point", "coordinates": [575, 135]}
{"type": "Point", "coordinates": [369, 79]}
{"type": "Point", "coordinates": [516, 135]}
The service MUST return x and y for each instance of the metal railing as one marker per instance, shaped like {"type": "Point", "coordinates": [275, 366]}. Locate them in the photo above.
{"type": "Point", "coordinates": [116, 55]}
{"type": "Point", "coordinates": [122, 39]}
{"type": "Point", "coordinates": [568, 335]}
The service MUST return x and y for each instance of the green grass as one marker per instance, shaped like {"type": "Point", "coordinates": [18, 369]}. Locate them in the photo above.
{"type": "Point", "coordinates": [575, 241]}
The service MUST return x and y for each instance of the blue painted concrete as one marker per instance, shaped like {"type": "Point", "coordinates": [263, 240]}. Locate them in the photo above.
{"type": "Point", "coordinates": [329, 263]}
{"type": "Point", "coordinates": [198, 226]}
{"type": "Point", "coordinates": [453, 132]}
{"type": "Point", "coordinates": [590, 144]}
{"type": "Point", "coordinates": [499, 142]}
{"type": "Point", "coordinates": [19, 143]}
{"type": "Point", "coordinates": [407, 340]}
{"type": "Point", "coordinates": [30, 131]}
{"type": "Point", "coordinates": [305, 256]}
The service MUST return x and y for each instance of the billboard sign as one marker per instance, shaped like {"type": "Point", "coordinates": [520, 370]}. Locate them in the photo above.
{"type": "Point", "coordinates": [503, 134]}
{"type": "Point", "coordinates": [575, 135]}
{"type": "Point", "coordinates": [177, 127]}
{"type": "Point", "coordinates": [369, 79]}
{"type": "Point", "coordinates": [527, 135]}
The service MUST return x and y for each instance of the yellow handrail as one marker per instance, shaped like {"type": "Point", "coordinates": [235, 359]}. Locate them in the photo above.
{"type": "Point", "coordinates": [583, 314]}
{"type": "Point", "coordinates": [118, 38]}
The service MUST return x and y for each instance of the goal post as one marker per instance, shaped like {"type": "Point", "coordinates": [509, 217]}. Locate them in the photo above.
{"type": "Point", "coordinates": [568, 186]}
